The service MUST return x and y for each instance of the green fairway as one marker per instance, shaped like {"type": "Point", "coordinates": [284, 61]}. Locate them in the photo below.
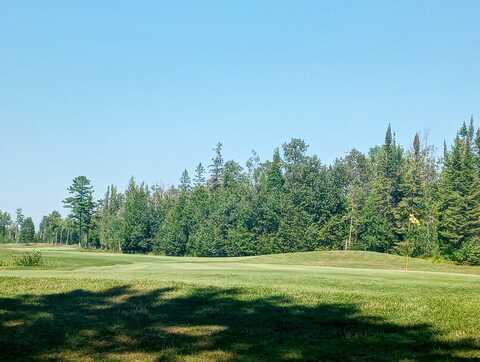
{"type": "Point", "coordinates": [308, 306]}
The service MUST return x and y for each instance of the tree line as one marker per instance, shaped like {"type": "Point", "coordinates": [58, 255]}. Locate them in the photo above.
{"type": "Point", "coordinates": [20, 229]}
{"type": "Point", "coordinates": [391, 199]}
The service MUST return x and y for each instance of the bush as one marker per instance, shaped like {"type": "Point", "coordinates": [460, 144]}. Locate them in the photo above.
{"type": "Point", "coordinates": [468, 254]}
{"type": "Point", "coordinates": [28, 259]}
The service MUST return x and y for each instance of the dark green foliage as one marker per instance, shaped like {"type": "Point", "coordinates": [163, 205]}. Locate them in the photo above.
{"type": "Point", "coordinates": [216, 168]}
{"type": "Point", "coordinates": [27, 231]}
{"type": "Point", "coordinates": [111, 224]}
{"type": "Point", "coordinates": [199, 178]}
{"type": "Point", "coordinates": [177, 228]}
{"type": "Point", "coordinates": [371, 196]}
{"type": "Point", "coordinates": [138, 223]}
{"type": "Point", "coordinates": [82, 206]}
{"type": "Point", "coordinates": [57, 230]}
{"type": "Point", "coordinates": [6, 227]}
{"type": "Point", "coordinates": [469, 253]}
{"type": "Point", "coordinates": [19, 218]}
{"type": "Point", "coordinates": [417, 190]}
{"type": "Point", "coordinates": [459, 199]}
{"type": "Point", "coordinates": [293, 202]}
{"type": "Point", "coordinates": [185, 182]}
{"type": "Point", "coordinates": [477, 144]}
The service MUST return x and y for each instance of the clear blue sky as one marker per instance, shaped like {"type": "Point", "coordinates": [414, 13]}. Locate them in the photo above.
{"type": "Point", "coordinates": [111, 89]}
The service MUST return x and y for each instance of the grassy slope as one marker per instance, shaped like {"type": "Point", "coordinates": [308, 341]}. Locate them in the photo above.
{"type": "Point", "coordinates": [71, 258]}
{"type": "Point", "coordinates": [283, 307]}
{"type": "Point", "coordinates": [367, 260]}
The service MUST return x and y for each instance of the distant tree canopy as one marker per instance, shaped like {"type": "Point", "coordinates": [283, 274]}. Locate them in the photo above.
{"type": "Point", "coordinates": [394, 200]}
{"type": "Point", "coordinates": [7, 228]}
{"type": "Point", "coordinates": [20, 230]}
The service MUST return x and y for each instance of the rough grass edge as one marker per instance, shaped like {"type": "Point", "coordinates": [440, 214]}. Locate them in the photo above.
{"type": "Point", "coordinates": [33, 258]}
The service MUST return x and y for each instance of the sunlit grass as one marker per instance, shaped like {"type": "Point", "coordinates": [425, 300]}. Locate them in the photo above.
{"type": "Point", "coordinates": [97, 306]}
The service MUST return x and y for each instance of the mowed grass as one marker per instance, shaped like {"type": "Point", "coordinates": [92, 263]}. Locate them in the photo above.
{"type": "Point", "coordinates": [320, 306]}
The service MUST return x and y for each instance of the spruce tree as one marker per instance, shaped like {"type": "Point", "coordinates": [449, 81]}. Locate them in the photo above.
{"type": "Point", "coordinates": [185, 182]}
{"type": "Point", "coordinates": [19, 219]}
{"type": "Point", "coordinates": [445, 153]}
{"type": "Point", "coordinates": [111, 221]}
{"type": "Point", "coordinates": [416, 203]}
{"type": "Point", "coordinates": [451, 202]}
{"type": "Point", "coordinates": [252, 166]}
{"type": "Point", "coordinates": [201, 208]}
{"type": "Point", "coordinates": [232, 174]}
{"type": "Point", "coordinates": [385, 193]}
{"type": "Point", "coordinates": [199, 177]}
{"type": "Point", "coordinates": [27, 233]}
{"type": "Point", "coordinates": [470, 250]}
{"type": "Point", "coordinates": [178, 225]}
{"type": "Point", "coordinates": [476, 149]}
{"type": "Point", "coordinates": [459, 199]}
{"type": "Point", "coordinates": [216, 168]}
{"type": "Point", "coordinates": [274, 175]}
{"type": "Point", "coordinates": [138, 231]}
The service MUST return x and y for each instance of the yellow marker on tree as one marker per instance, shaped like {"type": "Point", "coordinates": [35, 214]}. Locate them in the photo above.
{"type": "Point", "coordinates": [413, 220]}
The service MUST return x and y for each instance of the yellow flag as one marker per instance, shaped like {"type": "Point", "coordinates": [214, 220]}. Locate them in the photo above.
{"type": "Point", "coordinates": [413, 220]}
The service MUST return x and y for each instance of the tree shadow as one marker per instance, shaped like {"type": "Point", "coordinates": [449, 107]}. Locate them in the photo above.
{"type": "Point", "coordinates": [204, 325]}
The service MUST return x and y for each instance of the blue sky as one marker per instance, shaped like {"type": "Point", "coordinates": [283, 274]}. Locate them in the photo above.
{"type": "Point", "coordinates": [111, 89]}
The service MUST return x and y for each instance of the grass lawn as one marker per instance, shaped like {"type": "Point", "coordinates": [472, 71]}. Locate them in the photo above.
{"type": "Point", "coordinates": [319, 306]}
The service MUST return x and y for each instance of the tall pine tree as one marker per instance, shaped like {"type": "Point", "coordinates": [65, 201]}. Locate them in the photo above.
{"type": "Point", "coordinates": [82, 206]}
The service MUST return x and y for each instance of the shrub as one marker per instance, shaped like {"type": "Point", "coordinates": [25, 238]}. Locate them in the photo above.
{"type": "Point", "coordinates": [468, 254]}
{"type": "Point", "coordinates": [28, 259]}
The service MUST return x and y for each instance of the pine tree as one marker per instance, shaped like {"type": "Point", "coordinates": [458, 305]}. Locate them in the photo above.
{"type": "Point", "coordinates": [232, 174]}
{"type": "Point", "coordinates": [252, 166]}
{"type": "Point", "coordinates": [470, 250]}
{"type": "Point", "coordinates": [111, 219]}
{"type": "Point", "coordinates": [274, 175]}
{"type": "Point", "coordinates": [388, 137]}
{"type": "Point", "coordinates": [471, 129]}
{"type": "Point", "coordinates": [5, 225]}
{"type": "Point", "coordinates": [200, 208]}
{"type": "Point", "coordinates": [476, 149]}
{"type": "Point", "coordinates": [178, 224]}
{"type": "Point", "coordinates": [27, 233]}
{"type": "Point", "coordinates": [416, 203]}
{"type": "Point", "coordinates": [390, 165]}
{"type": "Point", "coordinates": [445, 153]}
{"type": "Point", "coordinates": [199, 178]}
{"type": "Point", "coordinates": [216, 168]}
{"type": "Point", "coordinates": [459, 199]}
{"type": "Point", "coordinates": [138, 231]}
{"type": "Point", "coordinates": [19, 219]}
{"type": "Point", "coordinates": [451, 202]}
{"type": "Point", "coordinates": [185, 182]}
{"type": "Point", "coordinates": [384, 194]}
{"type": "Point", "coordinates": [82, 206]}
{"type": "Point", "coordinates": [376, 225]}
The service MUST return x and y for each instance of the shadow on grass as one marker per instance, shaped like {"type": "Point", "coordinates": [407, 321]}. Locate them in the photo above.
{"type": "Point", "coordinates": [203, 325]}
